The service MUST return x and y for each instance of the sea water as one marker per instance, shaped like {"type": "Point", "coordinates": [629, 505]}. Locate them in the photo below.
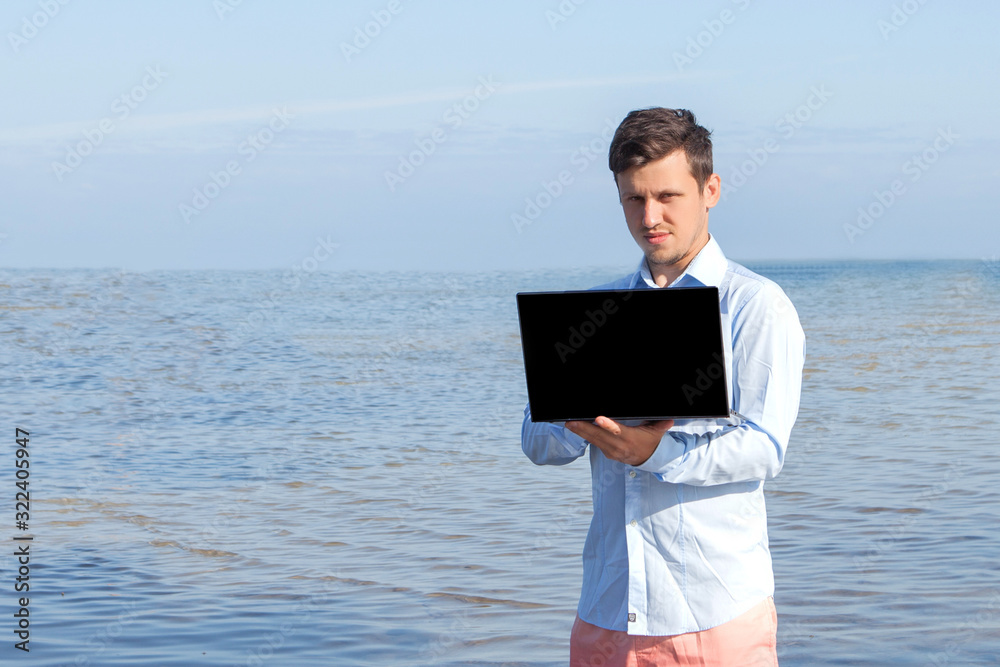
{"type": "Point", "coordinates": [240, 468]}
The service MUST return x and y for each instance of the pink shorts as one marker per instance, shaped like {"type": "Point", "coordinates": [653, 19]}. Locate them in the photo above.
{"type": "Point", "coordinates": [747, 640]}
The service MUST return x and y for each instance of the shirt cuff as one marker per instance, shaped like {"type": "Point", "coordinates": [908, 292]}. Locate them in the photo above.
{"type": "Point", "coordinates": [667, 455]}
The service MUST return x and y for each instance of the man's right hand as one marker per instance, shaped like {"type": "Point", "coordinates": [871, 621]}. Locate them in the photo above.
{"type": "Point", "coordinates": [632, 445]}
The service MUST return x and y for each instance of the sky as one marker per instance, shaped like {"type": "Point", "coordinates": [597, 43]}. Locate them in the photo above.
{"type": "Point", "coordinates": [396, 135]}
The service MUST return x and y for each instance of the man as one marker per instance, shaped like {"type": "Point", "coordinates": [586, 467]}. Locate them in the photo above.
{"type": "Point", "coordinates": [676, 566]}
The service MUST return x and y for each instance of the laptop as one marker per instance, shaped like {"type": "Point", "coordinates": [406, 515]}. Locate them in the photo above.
{"type": "Point", "coordinates": [624, 354]}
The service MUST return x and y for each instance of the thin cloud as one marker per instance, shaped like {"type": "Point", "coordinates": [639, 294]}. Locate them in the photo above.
{"type": "Point", "coordinates": [168, 121]}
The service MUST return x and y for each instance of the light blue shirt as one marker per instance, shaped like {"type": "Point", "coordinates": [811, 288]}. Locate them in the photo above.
{"type": "Point", "coordinates": [679, 543]}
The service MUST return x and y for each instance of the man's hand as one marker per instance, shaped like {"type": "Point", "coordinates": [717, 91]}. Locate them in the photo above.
{"type": "Point", "coordinates": [631, 445]}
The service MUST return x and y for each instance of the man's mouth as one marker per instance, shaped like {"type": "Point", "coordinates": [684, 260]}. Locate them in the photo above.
{"type": "Point", "coordinates": [657, 238]}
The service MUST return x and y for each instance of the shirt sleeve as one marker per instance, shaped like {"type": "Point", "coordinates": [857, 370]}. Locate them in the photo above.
{"type": "Point", "coordinates": [549, 444]}
{"type": "Point", "coordinates": [768, 356]}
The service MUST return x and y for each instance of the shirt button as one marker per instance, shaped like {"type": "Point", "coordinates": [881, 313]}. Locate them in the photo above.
{"type": "Point", "coordinates": [631, 473]}
{"type": "Point", "coordinates": [631, 618]}
{"type": "Point", "coordinates": [633, 523]}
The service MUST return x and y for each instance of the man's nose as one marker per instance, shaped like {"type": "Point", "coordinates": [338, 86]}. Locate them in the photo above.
{"type": "Point", "coordinates": [651, 216]}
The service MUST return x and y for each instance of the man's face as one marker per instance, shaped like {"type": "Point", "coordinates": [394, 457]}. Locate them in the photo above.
{"type": "Point", "coordinates": [666, 211]}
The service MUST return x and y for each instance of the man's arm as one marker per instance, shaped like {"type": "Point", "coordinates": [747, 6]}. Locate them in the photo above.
{"type": "Point", "coordinates": [549, 444]}
{"type": "Point", "coordinates": [768, 355]}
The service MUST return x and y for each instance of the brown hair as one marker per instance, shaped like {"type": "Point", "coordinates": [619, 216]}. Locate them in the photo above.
{"type": "Point", "coordinates": [646, 135]}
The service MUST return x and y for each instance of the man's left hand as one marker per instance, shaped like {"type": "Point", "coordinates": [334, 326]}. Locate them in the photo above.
{"type": "Point", "coordinates": [631, 445]}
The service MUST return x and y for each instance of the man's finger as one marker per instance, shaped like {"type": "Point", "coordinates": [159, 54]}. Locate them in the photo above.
{"type": "Point", "coordinates": [609, 425]}
{"type": "Point", "coordinates": [587, 431]}
{"type": "Point", "coordinates": [580, 428]}
{"type": "Point", "coordinates": [661, 425]}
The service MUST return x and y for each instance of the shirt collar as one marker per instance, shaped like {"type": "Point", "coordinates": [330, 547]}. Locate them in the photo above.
{"type": "Point", "coordinates": [707, 268]}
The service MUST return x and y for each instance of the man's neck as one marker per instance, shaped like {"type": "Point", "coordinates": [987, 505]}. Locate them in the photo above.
{"type": "Point", "coordinates": [666, 274]}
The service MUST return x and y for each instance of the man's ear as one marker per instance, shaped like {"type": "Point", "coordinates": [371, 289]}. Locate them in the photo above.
{"type": "Point", "coordinates": [712, 190]}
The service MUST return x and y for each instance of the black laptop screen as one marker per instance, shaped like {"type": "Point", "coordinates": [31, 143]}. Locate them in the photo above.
{"type": "Point", "coordinates": [624, 354]}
